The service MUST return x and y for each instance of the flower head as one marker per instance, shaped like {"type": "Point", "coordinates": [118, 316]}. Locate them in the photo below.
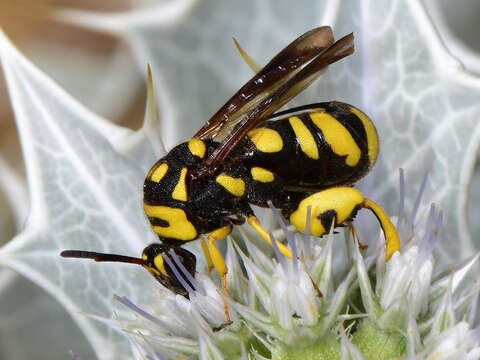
{"type": "Point", "coordinates": [294, 309]}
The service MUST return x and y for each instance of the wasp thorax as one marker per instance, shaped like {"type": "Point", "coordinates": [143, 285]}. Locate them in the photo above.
{"type": "Point", "coordinates": [166, 191]}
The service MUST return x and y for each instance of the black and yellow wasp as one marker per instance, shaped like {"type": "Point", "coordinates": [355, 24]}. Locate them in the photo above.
{"type": "Point", "coordinates": [302, 159]}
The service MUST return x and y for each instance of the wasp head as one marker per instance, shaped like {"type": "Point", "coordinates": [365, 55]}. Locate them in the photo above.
{"type": "Point", "coordinates": [170, 266]}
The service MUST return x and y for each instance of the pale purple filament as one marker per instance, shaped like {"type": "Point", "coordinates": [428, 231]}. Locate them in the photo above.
{"type": "Point", "coordinates": [401, 207]}
{"type": "Point", "coordinates": [124, 300]}
{"type": "Point", "coordinates": [279, 256]}
{"type": "Point", "coordinates": [185, 272]}
{"type": "Point", "coordinates": [418, 199]}
{"type": "Point", "coordinates": [179, 276]}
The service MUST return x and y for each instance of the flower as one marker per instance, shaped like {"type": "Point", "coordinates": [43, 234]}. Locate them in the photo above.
{"type": "Point", "coordinates": [294, 309]}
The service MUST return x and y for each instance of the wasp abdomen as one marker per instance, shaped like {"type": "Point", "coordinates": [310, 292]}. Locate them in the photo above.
{"type": "Point", "coordinates": [323, 145]}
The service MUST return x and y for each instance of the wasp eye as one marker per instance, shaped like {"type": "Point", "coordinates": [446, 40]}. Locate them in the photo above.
{"type": "Point", "coordinates": [152, 250]}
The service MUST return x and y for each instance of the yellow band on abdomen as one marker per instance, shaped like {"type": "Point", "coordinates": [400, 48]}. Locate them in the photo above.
{"type": "Point", "coordinates": [372, 136]}
{"type": "Point", "coordinates": [338, 137]}
{"type": "Point", "coordinates": [304, 137]}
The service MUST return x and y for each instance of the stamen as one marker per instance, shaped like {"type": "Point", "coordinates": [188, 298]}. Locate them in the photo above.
{"type": "Point", "coordinates": [418, 199]}
{"type": "Point", "coordinates": [290, 238]}
{"type": "Point", "coordinates": [425, 244]}
{"type": "Point", "coordinates": [280, 257]}
{"type": "Point", "coordinates": [185, 272]}
{"type": "Point", "coordinates": [401, 206]}
{"type": "Point", "coordinates": [124, 300]}
{"type": "Point", "coordinates": [178, 276]}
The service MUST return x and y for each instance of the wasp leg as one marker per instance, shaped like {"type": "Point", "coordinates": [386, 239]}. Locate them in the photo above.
{"type": "Point", "coordinates": [341, 204]}
{"type": "Point", "coordinates": [206, 253]}
{"type": "Point", "coordinates": [255, 224]}
{"type": "Point", "coordinates": [218, 261]}
{"type": "Point", "coordinates": [391, 235]}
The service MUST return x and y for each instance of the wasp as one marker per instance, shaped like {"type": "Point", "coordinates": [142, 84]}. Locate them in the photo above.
{"type": "Point", "coordinates": [304, 160]}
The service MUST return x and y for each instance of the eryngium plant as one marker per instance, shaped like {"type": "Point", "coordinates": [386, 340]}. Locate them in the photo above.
{"type": "Point", "coordinates": [301, 309]}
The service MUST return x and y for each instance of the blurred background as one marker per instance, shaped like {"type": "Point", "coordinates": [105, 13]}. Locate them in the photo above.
{"type": "Point", "coordinates": [94, 66]}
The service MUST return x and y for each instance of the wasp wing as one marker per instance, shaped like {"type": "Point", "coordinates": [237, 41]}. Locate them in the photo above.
{"type": "Point", "coordinates": [280, 96]}
{"type": "Point", "coordinates": [281, 68]}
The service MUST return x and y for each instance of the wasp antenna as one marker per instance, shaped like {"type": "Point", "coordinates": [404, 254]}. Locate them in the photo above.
{"type": "Point", "coordinates": [389, 231]}
{"type": "Point", "coordinates": [78, 254]}
{"type": "Point", "coordinates": [101, 257]}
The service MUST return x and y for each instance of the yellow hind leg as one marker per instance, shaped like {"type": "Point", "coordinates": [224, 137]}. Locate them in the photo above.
{"type": "Point", "coordinates": [340, 204]}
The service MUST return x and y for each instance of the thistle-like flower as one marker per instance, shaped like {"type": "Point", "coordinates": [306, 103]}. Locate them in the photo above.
{"type": "Point", "coordinates": [296, 309]}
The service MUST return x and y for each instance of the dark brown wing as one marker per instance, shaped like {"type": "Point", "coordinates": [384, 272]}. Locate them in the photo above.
{"type": "Point", "coordinates": [282, 67]}
{"type": "Point", "coordinates": [279, 97]}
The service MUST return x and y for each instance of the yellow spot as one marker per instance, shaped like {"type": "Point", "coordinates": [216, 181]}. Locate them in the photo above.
{"type": "Point", "coordinates": [157, 172]}
{"type": "Point", "coordinates": [159, 265]}
{"type": "Point", "coordinates": [180, 191]}
{"type": "Point", "coordinates": [338, 137]}
{"type": "Point", "coordinates": [178, 225]}
{"type": "Point", "coordinates": [340, 199]}
{"type": "Point", "coordinates": [372, 137]}
{"type": "Point", "coordinates": [232, 185]}
{"type": "Point", "coordinates": [266, 140]}
{"type": "Point", "coordinates": [261, 174]}
{"type": "Point", "coordinates": [151, 269]}
{"type": "Point", "coordinates": [304, 137]}
{"type": "Point", "coordinates": [197, 147]}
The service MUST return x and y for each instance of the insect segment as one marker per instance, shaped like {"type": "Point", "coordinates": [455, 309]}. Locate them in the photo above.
{"type": "Point", "coordinates": [307, 157]}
